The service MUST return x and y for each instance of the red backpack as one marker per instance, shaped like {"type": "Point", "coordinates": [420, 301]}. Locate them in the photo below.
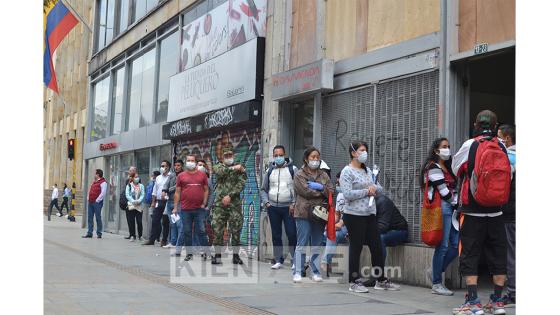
{"type": "Point", "coordinates": [489, 172]}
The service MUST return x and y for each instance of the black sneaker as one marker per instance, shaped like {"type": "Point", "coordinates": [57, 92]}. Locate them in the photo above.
{"type": "Point", "coordinates": [87, 236]}
{"type": "Point", "coordinates": [237, 260]}
{"type": "Point", "coordinates": [98, 236]}
{"type": "Point", "coordinates": [189, 257]}
{"type": "Point", "coordinates": [148, 243]}
{"type": "Point", "coordinates": [204, 257]}
{"type": "Point", "coordinates": [217, 259]}
{"type": "Point", "coordinates": [509, 301]}
{"type": "Point", "coordinates": [128, 237]}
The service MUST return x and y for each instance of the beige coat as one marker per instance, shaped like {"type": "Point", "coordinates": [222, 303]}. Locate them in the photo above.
{"type": "Point", "coordinates": [307, 198]}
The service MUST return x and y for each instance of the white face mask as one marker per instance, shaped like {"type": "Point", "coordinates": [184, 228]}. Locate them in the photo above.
{"type": "Point", "coordinates": [228, 161]}
{"type": "Point", "coordinates": [201, 168]}
{"type": "Point", "coordinates": [444, 154]}
{"type": "Point", "coordinates": [362, 158]}
{"type": "Point", "coordinates": [190, 165]}
{"type": "Point", "coordinates": [313, 164]}
{"type": "Point", "coordinates": [162, 169]}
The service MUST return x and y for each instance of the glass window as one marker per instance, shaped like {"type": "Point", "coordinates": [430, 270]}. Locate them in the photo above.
{"type": "Point", "coordinates": [123, 20]}
{"type": "Point", "coordinates": [110, 21]}
{"type": "Point", "coordinates": [151, 4]}
{"type": "Point", "coordinates": [100, 108]}
{"type": "Point", "coordinates": [148, 82]}
{"type": "Point", "coordinates": [118, 101]}
{"type": "Point", "coordinates": [139, 9]}
{"type": "Point", "coordinates": [134, 94]}
{"type": "Point", "coordinates": [102, 25]}
{"type": "Point", "coordinates": [168, 66]}
{"type": "Point", "coordinates": [141, 97]}
{"type": "Point", "coordinates": [143, 165]}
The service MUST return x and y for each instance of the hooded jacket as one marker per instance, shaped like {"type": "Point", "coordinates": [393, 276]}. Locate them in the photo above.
{"type": "Point", "coordinates": [278, 188]}
{"type": "Point", "coordinates": [307, 198]}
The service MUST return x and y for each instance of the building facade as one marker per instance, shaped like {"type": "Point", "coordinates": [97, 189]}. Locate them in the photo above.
{"type": "Point", "coordinates": [167, 78]}
{"type": "Point", "coordinates": [64, 114]}
{"type": "Point", "coordinates": [404, 72]}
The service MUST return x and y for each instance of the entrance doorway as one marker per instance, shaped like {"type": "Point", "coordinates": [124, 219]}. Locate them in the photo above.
{"type": "Point", "coordinates": [297, 131]}
{"type": "Point", "coordinates": [491, 85]}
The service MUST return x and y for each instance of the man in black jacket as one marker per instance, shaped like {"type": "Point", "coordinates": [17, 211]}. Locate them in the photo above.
{"type": "Point", "coordinates": [391, 224]}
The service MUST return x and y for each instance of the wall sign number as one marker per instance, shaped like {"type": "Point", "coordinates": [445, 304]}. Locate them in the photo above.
{"type": "Point", "coordinates": [480, 48]}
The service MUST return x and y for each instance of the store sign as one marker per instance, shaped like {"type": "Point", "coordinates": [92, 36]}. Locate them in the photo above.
{"type": "Point", "coordinates": [225, 117]}
{"type": "Point", "coordinates": [228, 79]}
{"type": "Point", "coordinates": [311, 78]}
{"type": "Point", "coordinates": [107, 146]}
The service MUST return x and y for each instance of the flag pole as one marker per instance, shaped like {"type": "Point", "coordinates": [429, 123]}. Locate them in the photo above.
{"type": "Point", "coordinates": [76, 14]}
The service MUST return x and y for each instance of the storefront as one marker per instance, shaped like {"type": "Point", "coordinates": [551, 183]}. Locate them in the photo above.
{"type": "Point", "coordinates": [387, 98]}
{"type": "Point", "coordinates": [219, 103]}
{"type": "Point", "coordinates": [115, 164]}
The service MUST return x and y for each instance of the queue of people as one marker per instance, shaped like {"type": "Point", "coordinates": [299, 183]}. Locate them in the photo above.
{"type": "Point", "coordinates": [477, 211]}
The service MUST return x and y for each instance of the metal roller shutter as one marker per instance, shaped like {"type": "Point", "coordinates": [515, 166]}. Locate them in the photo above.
{"type": "Point", "coordinates": [398, 119]}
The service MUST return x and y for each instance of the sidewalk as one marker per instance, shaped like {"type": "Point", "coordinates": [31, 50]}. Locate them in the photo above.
{"type": "Point", "coordinates": [114, 276]}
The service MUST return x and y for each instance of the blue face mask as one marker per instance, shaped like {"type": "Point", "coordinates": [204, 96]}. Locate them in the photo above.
{"type": "Point", "coordinates": [279, 160]}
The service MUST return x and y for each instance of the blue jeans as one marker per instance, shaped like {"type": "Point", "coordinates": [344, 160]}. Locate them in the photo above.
{"type": "Point", "coordinates": [276, 216]}
{"type": "Point", "coordinates": [330, 246]}
{"type": "Point", "coordinates": [446, 251]}
{"type": "Point", "coordinates": [308, 232]}
{"type": "Point", "coordinates": [198, 217]}
{"type": "Point", "coordinates": [392, 238]}
{"type": "Point", "coordinates": [95, 208]}
{"type": "Point", "coordinates": [195, 239]}
{"type": "Point", "coordinates": [174, 227]}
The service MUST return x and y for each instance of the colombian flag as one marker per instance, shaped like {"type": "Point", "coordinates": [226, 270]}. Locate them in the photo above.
{"type": "Point", "coordinates": [58, 21]}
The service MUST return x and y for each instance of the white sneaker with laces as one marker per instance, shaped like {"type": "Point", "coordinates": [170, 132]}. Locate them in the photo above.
{"type": "Point", "coordinates": [317, 278]}
{"type": "Point", "coordinates": [276, 266]}
{"type": "Point", "coordinates": [358, 288]}
{"type": "Point", "coordinates": [168, 245]}
{"type": "Point", "coordinates": [297, 278]}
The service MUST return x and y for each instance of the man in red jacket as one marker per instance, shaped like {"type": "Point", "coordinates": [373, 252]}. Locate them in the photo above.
{"type": "Point", "coordinates": [96, 195]}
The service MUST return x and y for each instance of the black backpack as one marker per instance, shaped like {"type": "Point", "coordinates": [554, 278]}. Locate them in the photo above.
{"type": "Point", "coordinates": [123, 202]}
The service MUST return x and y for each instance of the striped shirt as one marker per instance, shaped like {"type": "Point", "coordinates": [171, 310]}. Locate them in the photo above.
{"type": "Point", "coordinates": [445, 184]}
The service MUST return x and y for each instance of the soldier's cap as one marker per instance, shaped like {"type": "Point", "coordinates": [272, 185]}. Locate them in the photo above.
{"type": "Point", "coordinates": [227, 150]}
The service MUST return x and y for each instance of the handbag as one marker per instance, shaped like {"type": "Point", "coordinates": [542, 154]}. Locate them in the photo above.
{"type": "Point", "coordinates": [432, 218]}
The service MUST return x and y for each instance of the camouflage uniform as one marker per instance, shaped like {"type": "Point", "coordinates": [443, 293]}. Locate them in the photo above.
{"type": "Point", "coordinates": [228, 182]}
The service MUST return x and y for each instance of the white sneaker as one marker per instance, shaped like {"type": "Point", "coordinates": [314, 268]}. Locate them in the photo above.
{"type": "Point", "coordinates": [317, 278]}
{"type": "Point", "coordinates": [358, 288]}
{"type": "Point", "coordinates": [168, 245]}
{"type": "Point", "coordinates": [276, 266]}
{"type": "Point", "coordinates": [440, 289]}
{"type": "Point", "coordinates": [297, 278]}
{"type": "Point", "coordinates": [132, 239]}
{"type": "Point", "coordinates": [293, 267]}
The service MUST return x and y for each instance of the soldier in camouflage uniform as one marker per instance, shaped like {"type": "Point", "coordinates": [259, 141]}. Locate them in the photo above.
{"type": "Point", "coordinates": [230, 180]}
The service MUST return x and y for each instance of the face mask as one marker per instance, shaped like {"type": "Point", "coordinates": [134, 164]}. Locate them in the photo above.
{"type": "Point", "coordinates": [228, 161]}
{"type": "Point", "coordinates": [362, 158]}
{"type": "Point", "coordinates": [444, 154]}
{"type": "Point", "coordinates": [338, 189]}
{"type": "Point", "coordinates": [136, 180]}
{"type": "Point", "coordinates": [202, 168]}
{"type": "Point", "coordinates": [162, 169]}
{"type": "Point", "coordinates": [279, 160]}
{"type": "Point", "coordinates": [314, 164]}
{"type": "Point", "coordinates": [190, 165]}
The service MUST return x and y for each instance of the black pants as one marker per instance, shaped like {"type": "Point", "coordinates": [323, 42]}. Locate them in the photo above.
{"type": "Point", "coordinates": [131, 216]}
{"type": "Point", "coordinates": [156, 222]}
{"type": "Point", "coordinates": [362, 230]}
{"type": "Point", "coordinates": [54, 203]}
{"type": "Point", "coordinates": [64, 203]}
{"type": "Point", "coordinates": [165, 225]}
{"type": "Point", "coordinates": [510, 235]}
